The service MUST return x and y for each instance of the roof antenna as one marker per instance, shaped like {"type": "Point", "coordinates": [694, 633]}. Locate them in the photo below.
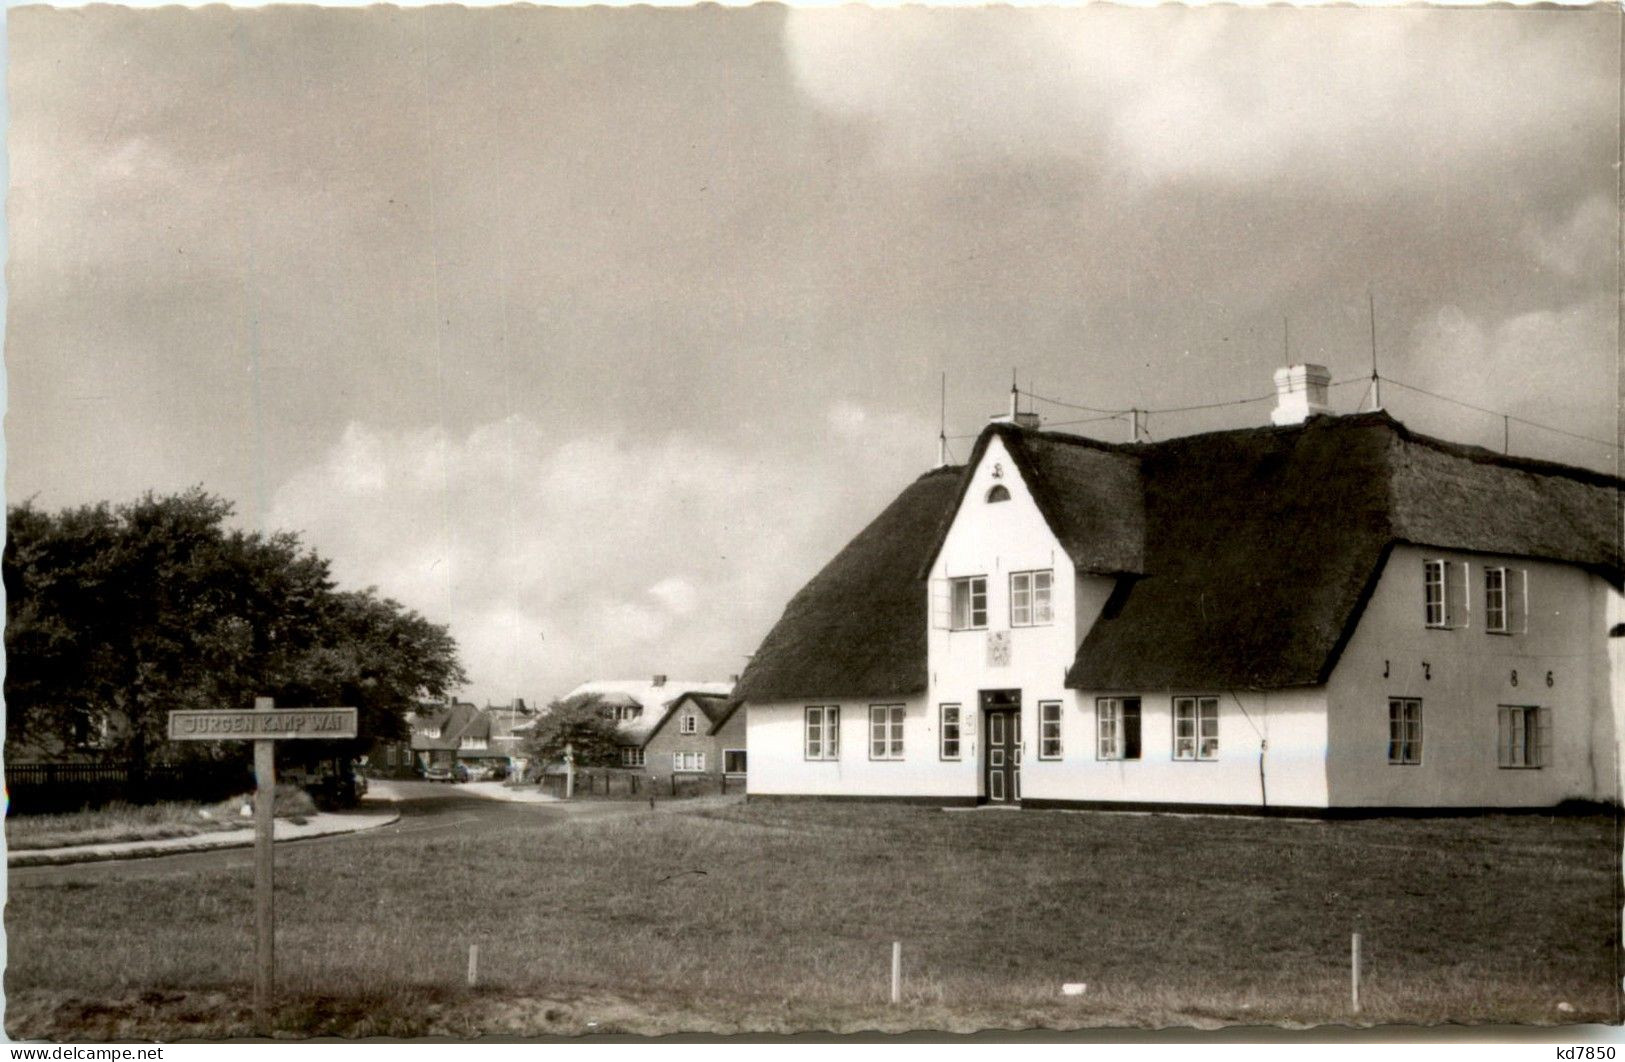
{"type": "Point", "coordinates": [942, 425]}
{"type": "Point", "coordinates": [1015, 396]}
{"type": "Point", "coordinates": [1376, 381]}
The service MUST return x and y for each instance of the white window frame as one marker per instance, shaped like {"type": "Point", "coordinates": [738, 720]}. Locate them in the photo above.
{"type": "Point", "coordinates": [1200, 709]}
{"type": "Point", "coordinates": [1435, 594]}
{"type": "Point", "coordinates": [1049, 730]}
{"type": "Point", "coordinates": [1032, 604]}
{"type": "Point", "coordinates": [1497, 614]}
{"type": "Point", "coordinates": [950, 731]}
{"type": "Point", "coordinates": [726, 753]}
{"type": "Point", "coordinates": [1517, 724]}
{"type": "Point", "coordinates": [687, 724]}
{"type": "Point", "coordinates": [886, 731]}
{"type": "Point", "coordinates": [687, 762]}
{"type": "Point", "coordinates": [1405, 731]}
{"type": "Point", "coordinates": [1111, 729]}
{"type": "Point", "coordinates": [631, 757]}
{"type": "Point", "coordinates": [975, 587]}
{"type": "Point", "coordinates": [824, 720]}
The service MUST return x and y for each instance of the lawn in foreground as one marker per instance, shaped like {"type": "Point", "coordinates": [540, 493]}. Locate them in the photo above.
{"type": "Point", "coordinates": [780, 917]}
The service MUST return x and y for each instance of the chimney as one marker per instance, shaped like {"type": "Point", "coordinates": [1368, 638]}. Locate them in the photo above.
{"type": "Point", "coordinates": [1028, 419]}
{"type": "Point", "coordinates": [1300, 393]}
{"type": "Point", "coordinates": [658, 681]}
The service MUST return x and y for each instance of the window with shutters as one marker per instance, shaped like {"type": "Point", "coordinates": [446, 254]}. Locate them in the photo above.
{"type": "Point", "coordinates": [969, 602]}
{"type": "Point", "coordinates": [1526, 736]}
{"type": "Point", "coordinates": [1117, 726]}
{"type": "Point", "coordinates": [885, 731]}
{"type": "Point", "coordinates": [688, 762]}
{"type": "Point", "coordinates": [689, 724]}
{"type": "Point", "coordinates": [1196, 728]}
{"type": "Point", "coordinates": [1404, 730]}
{"type": "Point", "coordinates": [823, 732]}
{"type": "Point", "coordinates": [1506, 600]}
{"type": "Point", "coordinates": [950, 731]}
{"type": "Point", "coordinates": [1445, 598]}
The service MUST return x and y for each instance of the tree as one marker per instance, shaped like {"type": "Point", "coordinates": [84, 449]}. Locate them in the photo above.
{"type": "Point", "coordinates": [582, 722]}
{"type": "Point", "coordinates": [133, 611]}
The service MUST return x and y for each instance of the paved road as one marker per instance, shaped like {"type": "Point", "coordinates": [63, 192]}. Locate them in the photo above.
{"type": "Point", "coordinates": [426, 808]}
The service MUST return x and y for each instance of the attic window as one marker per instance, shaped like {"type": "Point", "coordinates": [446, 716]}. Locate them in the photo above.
{"type": "Point", "coordinates": [687, 724]}
{"type": "Point", "coordinates": [1445, 603]}
{"type": "Point", "coordinates": [999, 493]}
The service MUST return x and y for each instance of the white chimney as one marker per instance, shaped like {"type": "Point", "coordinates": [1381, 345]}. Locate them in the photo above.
{"type": "Point", "coordinates": [1300, 393]}
{"type": "Point", "coordinates": [1017, 416]}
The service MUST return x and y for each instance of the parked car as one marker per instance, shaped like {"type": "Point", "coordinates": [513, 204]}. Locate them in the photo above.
{"type": "Point", "coordinates": [471, 772]}
{"type": "Point", "coordinates": [436, 772]}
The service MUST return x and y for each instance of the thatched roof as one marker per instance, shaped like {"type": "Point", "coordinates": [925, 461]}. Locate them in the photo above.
{"type": "Point", "coordinates": [1244, 557]}
{"type": "Point", "coordinates": [858, 628]}
{"type": "Point", "coordinates": [1263, 545]}
{"type": "Point", "coordinates": [1089, 493]}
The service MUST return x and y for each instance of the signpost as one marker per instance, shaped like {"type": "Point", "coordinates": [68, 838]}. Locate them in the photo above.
{"type": "Point", "coordinates": [264, 726]}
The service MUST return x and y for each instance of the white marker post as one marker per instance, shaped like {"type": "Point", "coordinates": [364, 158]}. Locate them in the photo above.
{"type": "Point", "coordinates": [896, 972]}
{"type": "Point", "coordinates": [264, 726]}
{"type": "Point", "coordinates": [1354, 971]}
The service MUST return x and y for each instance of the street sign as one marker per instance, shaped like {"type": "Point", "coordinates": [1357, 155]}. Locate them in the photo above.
{"type": "Point", "coordinates": [324, 724]}
{"type": "Point", "coordinates": [264, 726]}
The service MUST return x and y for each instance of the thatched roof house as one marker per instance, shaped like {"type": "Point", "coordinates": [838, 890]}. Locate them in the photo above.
{"type": "Point", "coordinates": [1243, 557]}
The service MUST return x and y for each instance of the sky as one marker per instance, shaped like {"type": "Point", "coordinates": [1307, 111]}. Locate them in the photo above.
{"type": "Point", "coordinates": [595, 333]}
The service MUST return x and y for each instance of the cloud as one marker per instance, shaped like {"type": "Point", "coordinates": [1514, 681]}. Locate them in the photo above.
{"type": "Point", "coordinates": [556, 559]}
{"type": "Point", "coordinates": [1352, 99]}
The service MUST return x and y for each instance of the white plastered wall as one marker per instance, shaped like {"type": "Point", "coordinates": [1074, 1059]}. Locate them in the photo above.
{"type": "Point", "coordinates": [1463, 675]}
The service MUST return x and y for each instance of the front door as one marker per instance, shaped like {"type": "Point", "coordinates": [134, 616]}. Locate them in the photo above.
{"type": "Point", "coordinates": [1001, 747]}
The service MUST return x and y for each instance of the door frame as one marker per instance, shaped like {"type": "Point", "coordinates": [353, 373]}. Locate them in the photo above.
{"type": "Point", "coordinates": [1007, 702]}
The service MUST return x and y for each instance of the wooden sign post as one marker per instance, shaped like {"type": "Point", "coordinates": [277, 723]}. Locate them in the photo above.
{"type": "Point", "coordinates": [264, 726]}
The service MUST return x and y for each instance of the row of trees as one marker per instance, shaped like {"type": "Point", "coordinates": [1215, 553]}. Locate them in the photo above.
{"type": "Point", "coordinates": [128, 612]}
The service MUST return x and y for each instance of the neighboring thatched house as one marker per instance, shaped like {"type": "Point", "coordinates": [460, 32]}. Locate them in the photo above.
{"type": "Point", "coordinates": [1332, 613]}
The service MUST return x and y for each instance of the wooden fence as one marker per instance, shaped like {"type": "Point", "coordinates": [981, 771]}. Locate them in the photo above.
{"type": "Point", "coordinates": [39, 788]}
{"type": "Point", "coordinates": [610, 782]}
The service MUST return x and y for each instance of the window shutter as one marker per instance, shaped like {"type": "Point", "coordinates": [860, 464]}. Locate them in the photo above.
{"type": "Point", "coordinates": [1458, 591]}
{"type": "Point", "coordinates": [939, 604]}
{"type": "Point", "coordinates": [1543, 744]}
{"type": "Point", "coordinates": [1518, 600]}
{"type": "Point", "coordinates": [1131, 728]}
{"type": "Point", "coordinates": [1503, 743]}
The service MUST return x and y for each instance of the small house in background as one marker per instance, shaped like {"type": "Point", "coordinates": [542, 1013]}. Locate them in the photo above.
{"type": "Point", "coordinates": [700, 734]}
{"type": "Point", "coordinates": [446, 734]}
{"type": "Point", "coordinates": [639, 706]}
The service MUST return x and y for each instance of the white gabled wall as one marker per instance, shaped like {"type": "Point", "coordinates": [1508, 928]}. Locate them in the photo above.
{"type": "Point", "coordinates": [1463, 675]}
{"type": "Point", "coordinates": [994, 539]}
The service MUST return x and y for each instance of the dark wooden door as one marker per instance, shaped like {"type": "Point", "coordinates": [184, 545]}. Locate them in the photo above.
{"type": "Point", "coordinates": [1001, 746]}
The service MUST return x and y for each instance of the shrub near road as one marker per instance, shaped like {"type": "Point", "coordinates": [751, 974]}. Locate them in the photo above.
{"type": "Point", "coordinates": [723, 917]}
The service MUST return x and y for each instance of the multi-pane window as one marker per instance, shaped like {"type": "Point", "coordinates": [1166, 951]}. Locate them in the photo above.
{"type": "Point", "coordinates": [688, 761]}
{"type": "Point", "coordinates": [733, 761]}
{"type": "Point", "coordinates": [1404, 730]}
{"type": "Point", "coordinates": [950, 731]}
{"type": "Point", "coordinates": [1049, 730]}
{"type": "Point", "coordinates": [688, 724]}
{"type": "Point", "coordinates": [1117, 725]}
{"type": "Point", "coordinates": [1433, 591]}
{"type": "Point", "coordinates": [631, 757]}
{"type": "Point", "coordinates": [1196, 728]}
{"type": "Point", "coordinates": [1505, 606]}
{"type": "Point", "coordinates": [1526, 736]}
{"type": "Point", "coordinates": [885, 731]}
{"type": "Point", "coordinates": [823, 732]}
{"type": "Point", "coordinates": [969, 602]}
{"type": "Point", "coordinates": [1030, 598]}
{"type": "Point", "coordinates": [1495, 600]}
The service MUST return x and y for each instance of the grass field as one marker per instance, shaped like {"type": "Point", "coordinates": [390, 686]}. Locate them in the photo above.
{"type": "Point", "coordinates": [705, 916]}
{"type": "Point", "coordinates": [130, 822]}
